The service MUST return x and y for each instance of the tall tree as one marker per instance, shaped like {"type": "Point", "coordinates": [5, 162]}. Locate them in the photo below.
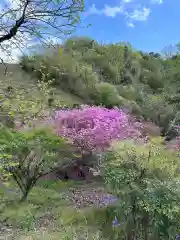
{"type": "Point", "coordinates": [37, 20]}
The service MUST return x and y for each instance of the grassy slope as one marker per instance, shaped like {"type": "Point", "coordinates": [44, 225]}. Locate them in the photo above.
{"type": "Point", "coordinates": [18, 78]}
{"type": "Point", "coordinates": [46, 214]}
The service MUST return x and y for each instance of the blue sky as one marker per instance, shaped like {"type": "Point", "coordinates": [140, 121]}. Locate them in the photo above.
{"type": "Point", "coordinates": [149, 25]}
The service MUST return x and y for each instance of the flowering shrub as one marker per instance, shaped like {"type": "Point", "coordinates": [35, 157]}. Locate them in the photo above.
{"type": "Point", "coordinates": [94, 128]}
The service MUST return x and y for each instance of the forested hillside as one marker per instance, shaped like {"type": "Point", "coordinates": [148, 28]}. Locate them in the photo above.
{"type": "Point", "coordinates": [146, 84]}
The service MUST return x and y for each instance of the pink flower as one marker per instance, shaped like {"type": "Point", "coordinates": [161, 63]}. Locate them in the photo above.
{"type": "Point", "coordinates": [94, 128]}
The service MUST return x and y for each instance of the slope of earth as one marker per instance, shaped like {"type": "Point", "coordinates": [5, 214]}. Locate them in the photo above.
{"type": "Point", "coordinates": [18, 79]}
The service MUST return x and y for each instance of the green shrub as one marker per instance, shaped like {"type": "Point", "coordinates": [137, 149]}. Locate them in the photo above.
{"type": "Point", "coordinates": [107, 70]}
{"type": "Point", "coordinates": [127, 92]}
{"type": "Point", "coordinates": [27, 64]}
{"type": "Point", "coordinates": [151, 73]}
{"type": "Point", "coordinates": [146, 179]}
{"type": "Point", "coordinates": [107, 95]}
{"type": "Point", "coordinates": [29, 155]}
{"type": "Point", "coordinates": [67, 72]}
{"type": "Point", "coordinates": [82, 80]}
{"type": "Point", "coordinates": [79, 44]}
{"type": "Point", "coordinates": [155, 109]}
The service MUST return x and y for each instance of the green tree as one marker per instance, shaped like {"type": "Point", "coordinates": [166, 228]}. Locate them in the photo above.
{"type": "Point", "coordinates": [29, 155]}
{"type": "Point", "coordinates": [26, 23]}
{"type": "Point", "coordinates": [39, 17]}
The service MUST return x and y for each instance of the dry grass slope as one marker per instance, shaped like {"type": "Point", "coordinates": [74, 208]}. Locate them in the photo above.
{"type": "Point", "coordinates": [17, 78]}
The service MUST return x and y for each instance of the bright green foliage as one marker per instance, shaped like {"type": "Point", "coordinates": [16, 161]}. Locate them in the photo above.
{"type": "Point", "coordinates": [34, 153]}
{"type": "Point", "coordinates": [155, 109]}
{"type": "Point", "coordinates": [6, 158]}
{"type": "Point", "coordinates": [107, 95]}
{"type": "Point", "coordinates": [127, 92]}
{"type": "Point", "coordinates": [85, 68]}
{"type": "Point", "coordinates": [152, 73]}
{"type": "Point", "coordinates": [19, 104]}
{"type": "Point", "coordinates": [71, 75]}
{"type": "Point", "coordinates": [172, 76]}
{"type": "Point", "coordinates": [147, 84]}
{"type": "Point", "coordinates": [79, 44]}
{"type": "Point", "coordinates": [146, 179]}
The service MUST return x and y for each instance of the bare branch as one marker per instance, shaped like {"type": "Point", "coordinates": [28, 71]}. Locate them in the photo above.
{"type": "Point", "coordinates": [17, 25]}
{"type": "Point", "coordinates": [40, 14]}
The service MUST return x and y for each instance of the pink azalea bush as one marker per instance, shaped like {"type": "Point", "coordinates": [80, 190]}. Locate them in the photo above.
{"type": "Point", "coordinates": [94, 128]}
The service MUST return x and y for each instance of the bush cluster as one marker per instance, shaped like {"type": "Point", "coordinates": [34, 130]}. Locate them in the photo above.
{"type": "Point", "coordinates": [113, 75]}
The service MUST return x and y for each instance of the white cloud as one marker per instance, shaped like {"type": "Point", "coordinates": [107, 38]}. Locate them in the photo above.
{"type": "Point", "coordinates": [130, 24]}
{"type": "Point", "coordinates": [107, 10]}
{"type": "Point", "coordinates": [140, 15]}
{"type": "Point", "coordinates": [94, 10]}
{"type": "Point", "coordinates": [157, 1]}
{"type": "Point", "coordinates": [127, 1]}
{"type": "Point", "coordinates": [132, 10]}
{"type": "Point", "coordinates": [11, 56]}
{"type": "Point", "coordinates": [112, 11]}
